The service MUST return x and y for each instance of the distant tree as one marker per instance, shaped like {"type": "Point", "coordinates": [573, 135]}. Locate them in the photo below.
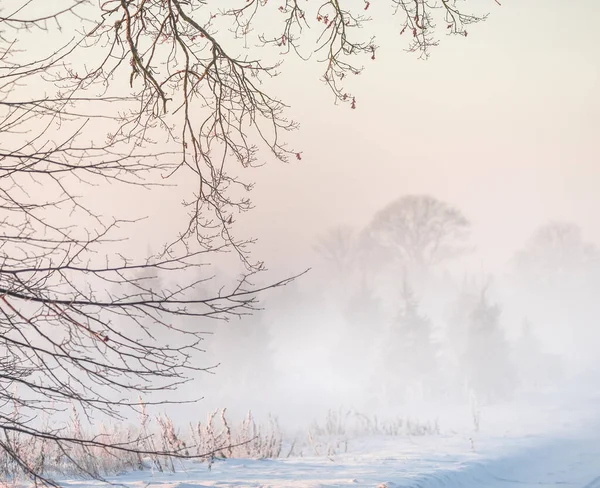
{"type": "Point", "coordinates": [411, 356]}
{"type": "Point", "coordinates": [536, 369]}
{"type": "Point", "coordinates": [363, 311]}
{"type": "Point", "coordinates": [358, 304]}
{"type": "Point", "coordinates": [556, 275]}
{"type": "Point", "coordinates": [362, 318]}
{"type": "Point", "coordinates": [487, 363]}
{"type": "Point", "coordinates": [415, 233]}
{"type": "Point", "coordinates": [556, 254]}
{"type": "Point", "coordinates": [244, 353]}
{"type": "Point", "coordinates": [338, 249]}
{"type": "Point", "coordinates": [458, 320]}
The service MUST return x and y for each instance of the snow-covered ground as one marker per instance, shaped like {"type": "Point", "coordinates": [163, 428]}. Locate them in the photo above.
{"type": "Point", "coordinates": [545, 445]}
{"type": "Point", "coordinates": [425, 462]}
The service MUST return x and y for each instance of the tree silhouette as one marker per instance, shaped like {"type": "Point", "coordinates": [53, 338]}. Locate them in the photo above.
{"type": "Point", "coordinates": [487, 360]}
{"type": "Point", "coordinates": [557, 254]}
{"type": "Point", "coordinates": [139, 95]}
{"type": "Point", "coordinates": [413, 234]}
{"type": "Point", "coordinates": [411, 355]}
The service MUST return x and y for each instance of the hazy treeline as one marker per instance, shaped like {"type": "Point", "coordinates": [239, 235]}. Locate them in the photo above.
{"type": "Point", "coordinates": [389, 318]}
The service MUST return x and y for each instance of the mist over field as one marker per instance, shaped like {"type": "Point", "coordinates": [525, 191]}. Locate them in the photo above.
{"type": "Point", "coordinates": [391, 321]}
{"type": "Point", "coordinates": [223, 264]}
{"type": "Point", "coordinates": [407, 310]}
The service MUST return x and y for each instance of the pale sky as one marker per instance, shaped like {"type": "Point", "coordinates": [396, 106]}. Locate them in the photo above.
{"type": "Point", "coordinates": [504, 124]}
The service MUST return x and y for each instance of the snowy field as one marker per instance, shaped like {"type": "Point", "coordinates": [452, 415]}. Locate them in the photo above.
{"type": "Point", "coordinates": [432, 462]}
{"type": "Point", "coordinates": [538, 446]}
